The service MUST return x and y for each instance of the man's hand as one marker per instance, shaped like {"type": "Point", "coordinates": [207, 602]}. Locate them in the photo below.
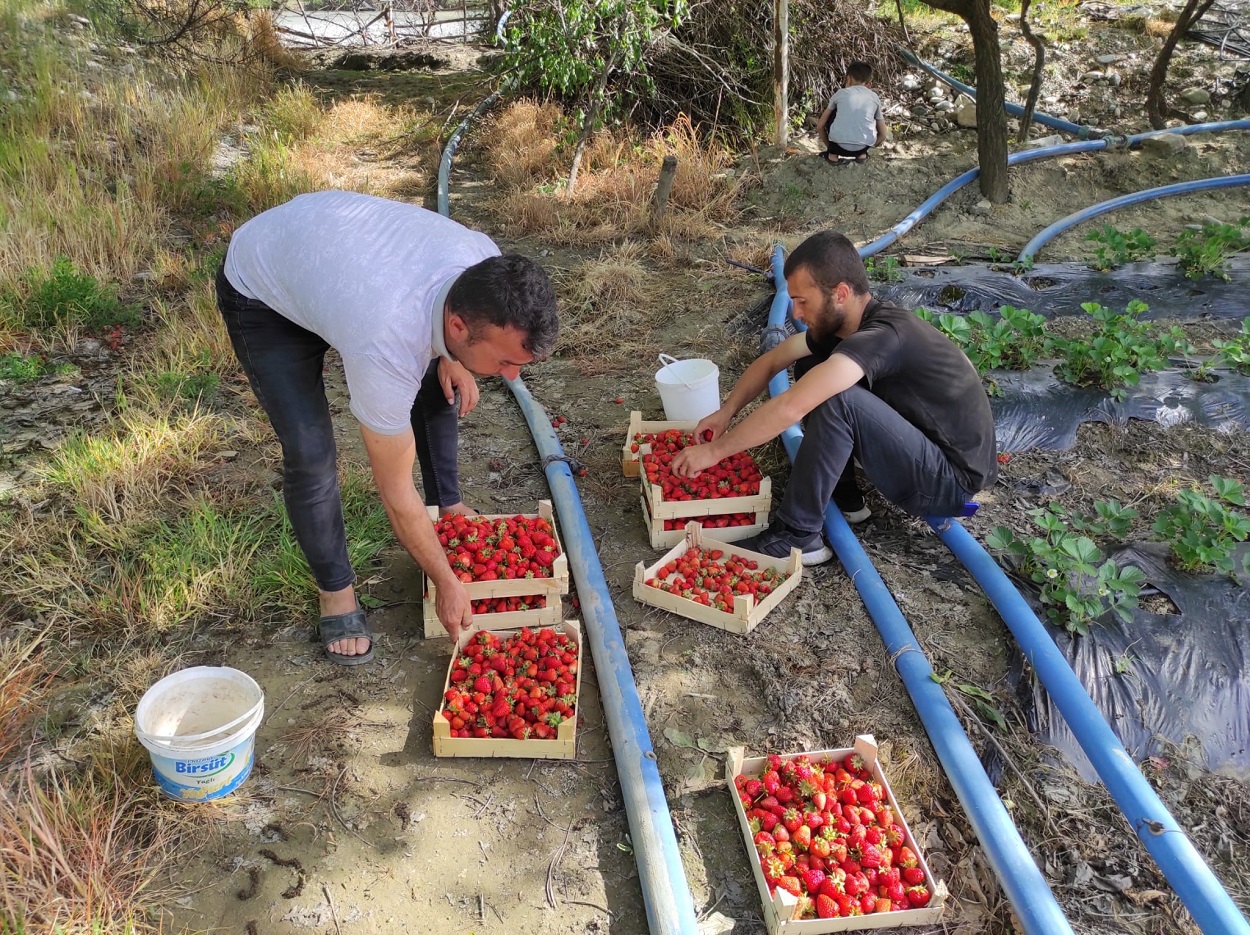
{"type": "Point", "coordinates": [694, 460]}
{"type": "Point", "coordinates": [453, 376]}
{"type": "Point", "coordinates": [455, 612]}
{"type": "Point", "coordinates": [716, 423]}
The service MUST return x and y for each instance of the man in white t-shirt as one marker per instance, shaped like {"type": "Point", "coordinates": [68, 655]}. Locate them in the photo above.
{"type": "Point", "coordinates": [851, 122]}
{"type": "Point", "coordinates": [414, 303]}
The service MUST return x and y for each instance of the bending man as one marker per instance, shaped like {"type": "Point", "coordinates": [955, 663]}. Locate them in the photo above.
{"type": "Point", "coordinates": [414, 304]}
{"type": "Point", "coordinates": [873, 381]}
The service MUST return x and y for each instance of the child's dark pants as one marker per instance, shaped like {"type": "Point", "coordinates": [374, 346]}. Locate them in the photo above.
{"type": "Point", "coordinates": [283, 363]}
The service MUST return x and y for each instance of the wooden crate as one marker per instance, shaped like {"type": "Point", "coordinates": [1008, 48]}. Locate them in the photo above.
{"type": "Point", "coordinates": [557, 584]}
{"type": "Point", "coordinates": [780, 910]}
{"type": "Point", "coordinates": [548, 616]}
{"type": "Point", "coordinates": [746, 613]}
{"type": "Point", "coordinates": [562, 747]}
{"type": "Point", "coordinates": [630, 466]}
{"type": "Point", "coordinates": [661, 538]}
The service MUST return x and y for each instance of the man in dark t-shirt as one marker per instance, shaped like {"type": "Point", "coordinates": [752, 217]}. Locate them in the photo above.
{"type": "Point", "coordinates": [873, 381]}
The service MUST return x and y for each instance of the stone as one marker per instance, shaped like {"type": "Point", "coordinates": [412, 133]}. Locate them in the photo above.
{"type": "Point", "coordinates": [1114, 78]}
{"type": "Point", "coordinates": [1053, 140]}
{"type": "Point", "coordinates": [919, 110]}
{"type": "Point", "coordinates": [909, 83]}
{"type": "Point", "coordinates": [717, 924]}
{"type": "Point", "coordinates": [943, 106]}
{"type": "Point", "coordinates": [1200, 115]}
{"type": "Point", "coordinates": [936, 90]}
{"type": "Point", "coordinates": [1196, 96]}
{"type": "Point", "coordinates": [1091, 76]}
{"type": "Point", "coordinates": [1109, 59]}
{"type": "Point", "coordinates": [1166, 144]}
{"type": "Point", "coordinates": [982, 208]}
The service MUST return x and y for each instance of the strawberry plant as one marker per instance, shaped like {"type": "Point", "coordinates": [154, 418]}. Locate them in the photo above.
{"type": "Point", "coordinates": [522, 687]}
{"type": "Point", "coordinates": [1121, 348]}
{"type": "Point", "coordinates": [1078, 585]}
{"type": "Point", "coordinates": [827, 834]}
{"type": "Point", "coordinates": [481, 548]}
{"type": "Point", "coordinates": [883, 268]}
{"type": "Point", "coordinates": [1115, 247]}
{"type": "Point", "coordinates": [701, 576]}
{"type": "Point", "coordinates": [1015, 340]}
{"type": "Point", "coordinates": [1203, 531]}
{"type": "Point", "coordinates": [1206, 251]}
{"type": "Point", "coordinates": [1235, 353]}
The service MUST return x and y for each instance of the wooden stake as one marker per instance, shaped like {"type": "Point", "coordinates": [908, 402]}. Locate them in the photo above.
{"type": "Point", "coordinates": [781, 71]}
{"type": "Point", "coordinates": [659, 204]}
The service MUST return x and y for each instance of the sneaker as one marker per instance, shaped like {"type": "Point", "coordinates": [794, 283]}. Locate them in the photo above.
{"type": "Point", "coordinates": [853, 508]}
{"type": "Point", "coordinates": [778, 539]}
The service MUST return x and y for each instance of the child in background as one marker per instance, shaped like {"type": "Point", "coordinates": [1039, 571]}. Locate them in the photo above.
{"type": "Point", "coordinates": [852, 121]}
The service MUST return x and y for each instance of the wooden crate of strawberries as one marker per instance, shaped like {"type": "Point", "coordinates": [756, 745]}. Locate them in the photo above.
{"type": "Point", "coordinates": [828, 845]}
{"type": "Point", "coordinates": [642, 432]}
{"type": "Point", "coordinates": [503, 556]}
{"type": "Point", "coordinates": [717, 584]}
{"type": "Point", "coordinates": [732, 497]}
{"type": "Point", "coordinates": [512, 693]}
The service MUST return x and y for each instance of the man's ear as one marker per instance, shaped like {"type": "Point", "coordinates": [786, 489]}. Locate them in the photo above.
{"type": "Point", "coordinates": [455, 329]}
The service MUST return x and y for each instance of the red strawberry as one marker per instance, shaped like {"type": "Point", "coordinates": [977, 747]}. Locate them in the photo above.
{"type": "Point", "coordinates": [752, 787]}
{"type": "Point", "coordinates": [772, 782]}
{"type": "Point", "coordinates": [913, 876]}
{"type": "Point", "coordinates": [803, 837]}
{"type": "Point", "coordinates": [918, 896]}
{"type": "Point", "coordinates": [826, 908]}
{"type": "Point", "coordinates": [907, 858]}
{"type": "Point", "coordinates": [813, 879]}
{"type": "Point", "coordinates": [881, 905]}
{"type": "Point", "coordinates": [792, 820]}
{"type": "Point", "coordinates": [791, 885]}
{"type": "Point", "coordinates": [895, 893]}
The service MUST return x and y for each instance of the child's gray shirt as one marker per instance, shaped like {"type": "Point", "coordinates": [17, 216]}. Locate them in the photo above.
{"type": "Point", "coordinates": [856, 112]}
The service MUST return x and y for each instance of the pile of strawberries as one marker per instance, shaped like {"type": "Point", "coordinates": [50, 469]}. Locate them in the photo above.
{"type": "Point", "coordinates": [735, 476]}
{"type": "Point", "coordinates": [523, 687]}
{"type": "Point", "coordinates": [826, 833]}
{"type": "Point", "coordinates": [499, 605]}
{"type": "Point", "coordinates": [700, 576]}
{"type": "Point", "coordinates": [717, 521]}
{"type": "Point", "coordinates": [485, 549]}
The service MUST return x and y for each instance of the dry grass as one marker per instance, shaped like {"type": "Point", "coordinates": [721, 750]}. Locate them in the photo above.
{"type": "Point", "coordinates": [22, 684]}
{"type": "Point", "coordinates": [613, 198]}
{"type": "Point", "coordinates": [79, 852]}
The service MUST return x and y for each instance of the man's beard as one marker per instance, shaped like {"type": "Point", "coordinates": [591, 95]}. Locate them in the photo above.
{"type": "Point", "coordinates": [825, 326]}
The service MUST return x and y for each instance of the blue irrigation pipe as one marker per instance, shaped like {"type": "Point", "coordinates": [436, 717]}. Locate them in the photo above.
{"type": "Point", "coordinates": [1163, 191]}
{"type": "Point", "coordinates": [1183, 867]}
{"type": "Point", "coordinates": [453, 144]}
{"type": "Point", "coordinates": [926, 207]}
{"type": "Point", "coordinates": [1026, 888]}
{"type": "Point", "coordinates": [1066, 126]}
{"type": "Point", "coordinates": [665, 890]}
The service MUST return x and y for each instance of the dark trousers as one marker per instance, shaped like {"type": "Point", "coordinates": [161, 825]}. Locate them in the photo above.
{"type": "Point", "coordinates": [283, 363]}
{"type": "Point", "coordinates": [903, 464]}
{"type": "Point", "coordinates": [835, 149]}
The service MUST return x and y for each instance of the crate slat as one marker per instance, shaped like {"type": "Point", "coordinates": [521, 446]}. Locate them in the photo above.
{"type": "Point", "coordinates": [691, 509]}
{"type": "Point", "coordinates": [548, 616]}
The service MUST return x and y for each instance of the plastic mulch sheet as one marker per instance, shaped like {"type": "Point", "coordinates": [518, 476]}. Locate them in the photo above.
{"type": "Point", "coordinates": [1162, 682]}
{"type": "Point", "coordinates": [1060, 288]}
{"type": "Point", "coordinates": [1036, 410]}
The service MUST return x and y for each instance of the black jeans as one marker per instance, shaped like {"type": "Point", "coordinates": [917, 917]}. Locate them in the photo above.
{"type": "Point", "coordinates": [903, 464]}
{"type": "Point", "coordinates": [283, 363]}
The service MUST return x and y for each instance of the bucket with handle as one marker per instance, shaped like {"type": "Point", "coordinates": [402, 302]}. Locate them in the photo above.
{"type": "Point", "coordinates": [199, 726]}
{"type": "Point", "coordinates": [689, 389]}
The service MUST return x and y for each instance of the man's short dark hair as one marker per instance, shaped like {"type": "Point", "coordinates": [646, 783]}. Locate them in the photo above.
{"type": "Point", "coordinates": [509, 291]}
{"type": "Point", "coordinates": [830, 259]}
{"type": "Point", "coordinates": [859, 71]}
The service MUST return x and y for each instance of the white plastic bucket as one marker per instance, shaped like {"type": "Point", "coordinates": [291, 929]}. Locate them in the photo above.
{"type": "Point", "coordinates": [199, 725]}
{"type": "Point", "coordinates": [689, 389]}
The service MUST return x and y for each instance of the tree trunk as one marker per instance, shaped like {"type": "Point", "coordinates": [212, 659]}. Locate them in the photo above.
{"type": "Point", "coordinates": [1156, 107]}
{"type": "Point", "coordinates": [991, 114]}
{"type": "Point", "coordinates": [781, 71]}
{"type": "Point", "coordinates": [1039, 63]}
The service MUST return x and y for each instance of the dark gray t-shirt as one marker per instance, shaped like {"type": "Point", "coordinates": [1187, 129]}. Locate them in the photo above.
{"type": "Point", "coordinates": [929, 381]}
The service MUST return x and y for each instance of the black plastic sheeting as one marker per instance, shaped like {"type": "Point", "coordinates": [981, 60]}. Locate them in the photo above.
{"type": "Point", "coordinates": [1164, 683]}
{"type": "Point", "coordinates": [1036, 410]}
{"type": "Point", "coordinates": [1059, 289]}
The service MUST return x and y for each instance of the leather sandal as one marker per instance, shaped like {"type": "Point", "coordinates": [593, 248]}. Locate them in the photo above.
{"type": "Point", "coordinates": [350, 625]}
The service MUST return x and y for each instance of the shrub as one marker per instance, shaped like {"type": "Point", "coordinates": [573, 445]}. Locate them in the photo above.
{"type": "Point", "coordinates": [62, 295]}
{"type": "Point", "coordinates": [1203, 531]}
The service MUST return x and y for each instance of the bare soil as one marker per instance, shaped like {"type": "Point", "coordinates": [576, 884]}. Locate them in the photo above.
{"type": "Point", "coordinates": [388, 838]}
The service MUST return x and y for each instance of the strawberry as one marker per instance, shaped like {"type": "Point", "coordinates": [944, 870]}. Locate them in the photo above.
{"type": "Point", "coordinates": [791, 885]}
{"type": "Point", "coordinates": [907, 858]}
{"type": "Point", "coordinates": [813, 879]}
{"type": "Point", "coordinates": [753, 787]}
{"type": "Point", "coordinates": [792, 820]}
{"type": "Point", "coordinates": [772, 782]}
{"type": "Point", "coordinates": [881, 905]}
{"type": "Point", "coordinates": [803, 837]}
{"type": "Point", "coordinates": [826, 908]}
{"type": "Point", "coordinates": [918, 896]}
{"type": "Point", "coordinates": [895, 893]}
{"type": "Point", "coordinates": [913, 876]}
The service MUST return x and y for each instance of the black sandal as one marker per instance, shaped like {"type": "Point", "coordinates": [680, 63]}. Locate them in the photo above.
{"type": "Point", "coordinates": [350, 625]}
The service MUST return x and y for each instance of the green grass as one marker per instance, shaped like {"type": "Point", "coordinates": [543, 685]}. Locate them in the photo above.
{"type": "Point", "coordinates": [61, 296]}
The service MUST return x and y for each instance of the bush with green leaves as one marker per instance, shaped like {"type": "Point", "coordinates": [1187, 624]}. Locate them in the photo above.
{"type": "Point", "coordinates": [63, 295]}
{"type": "Point", "coordinates": [1078, 584]}
{"type": "Point", "coordinates": [1116, 247]}
{"type": "Point", "coordinates": [1121, 348]}
{"type": "Point", "coordinates": [1206, 251]}
{"type": "Point", "coordinates": [1015, 340]}
{"type": "Point", "coordinates": [883, 268]}
{"type": "Point", "coordinates": [1203, 531]}
{"type": "Point", "coordinates": [21, 368]}
{"type": "Point", "coordinates": [1235, 353]}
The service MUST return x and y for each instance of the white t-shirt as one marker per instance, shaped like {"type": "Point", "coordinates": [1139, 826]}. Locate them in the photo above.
{"type": "Point", "coordinates": [370, 276]}
{"type": "Point", "coordinates": [856, 112]}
